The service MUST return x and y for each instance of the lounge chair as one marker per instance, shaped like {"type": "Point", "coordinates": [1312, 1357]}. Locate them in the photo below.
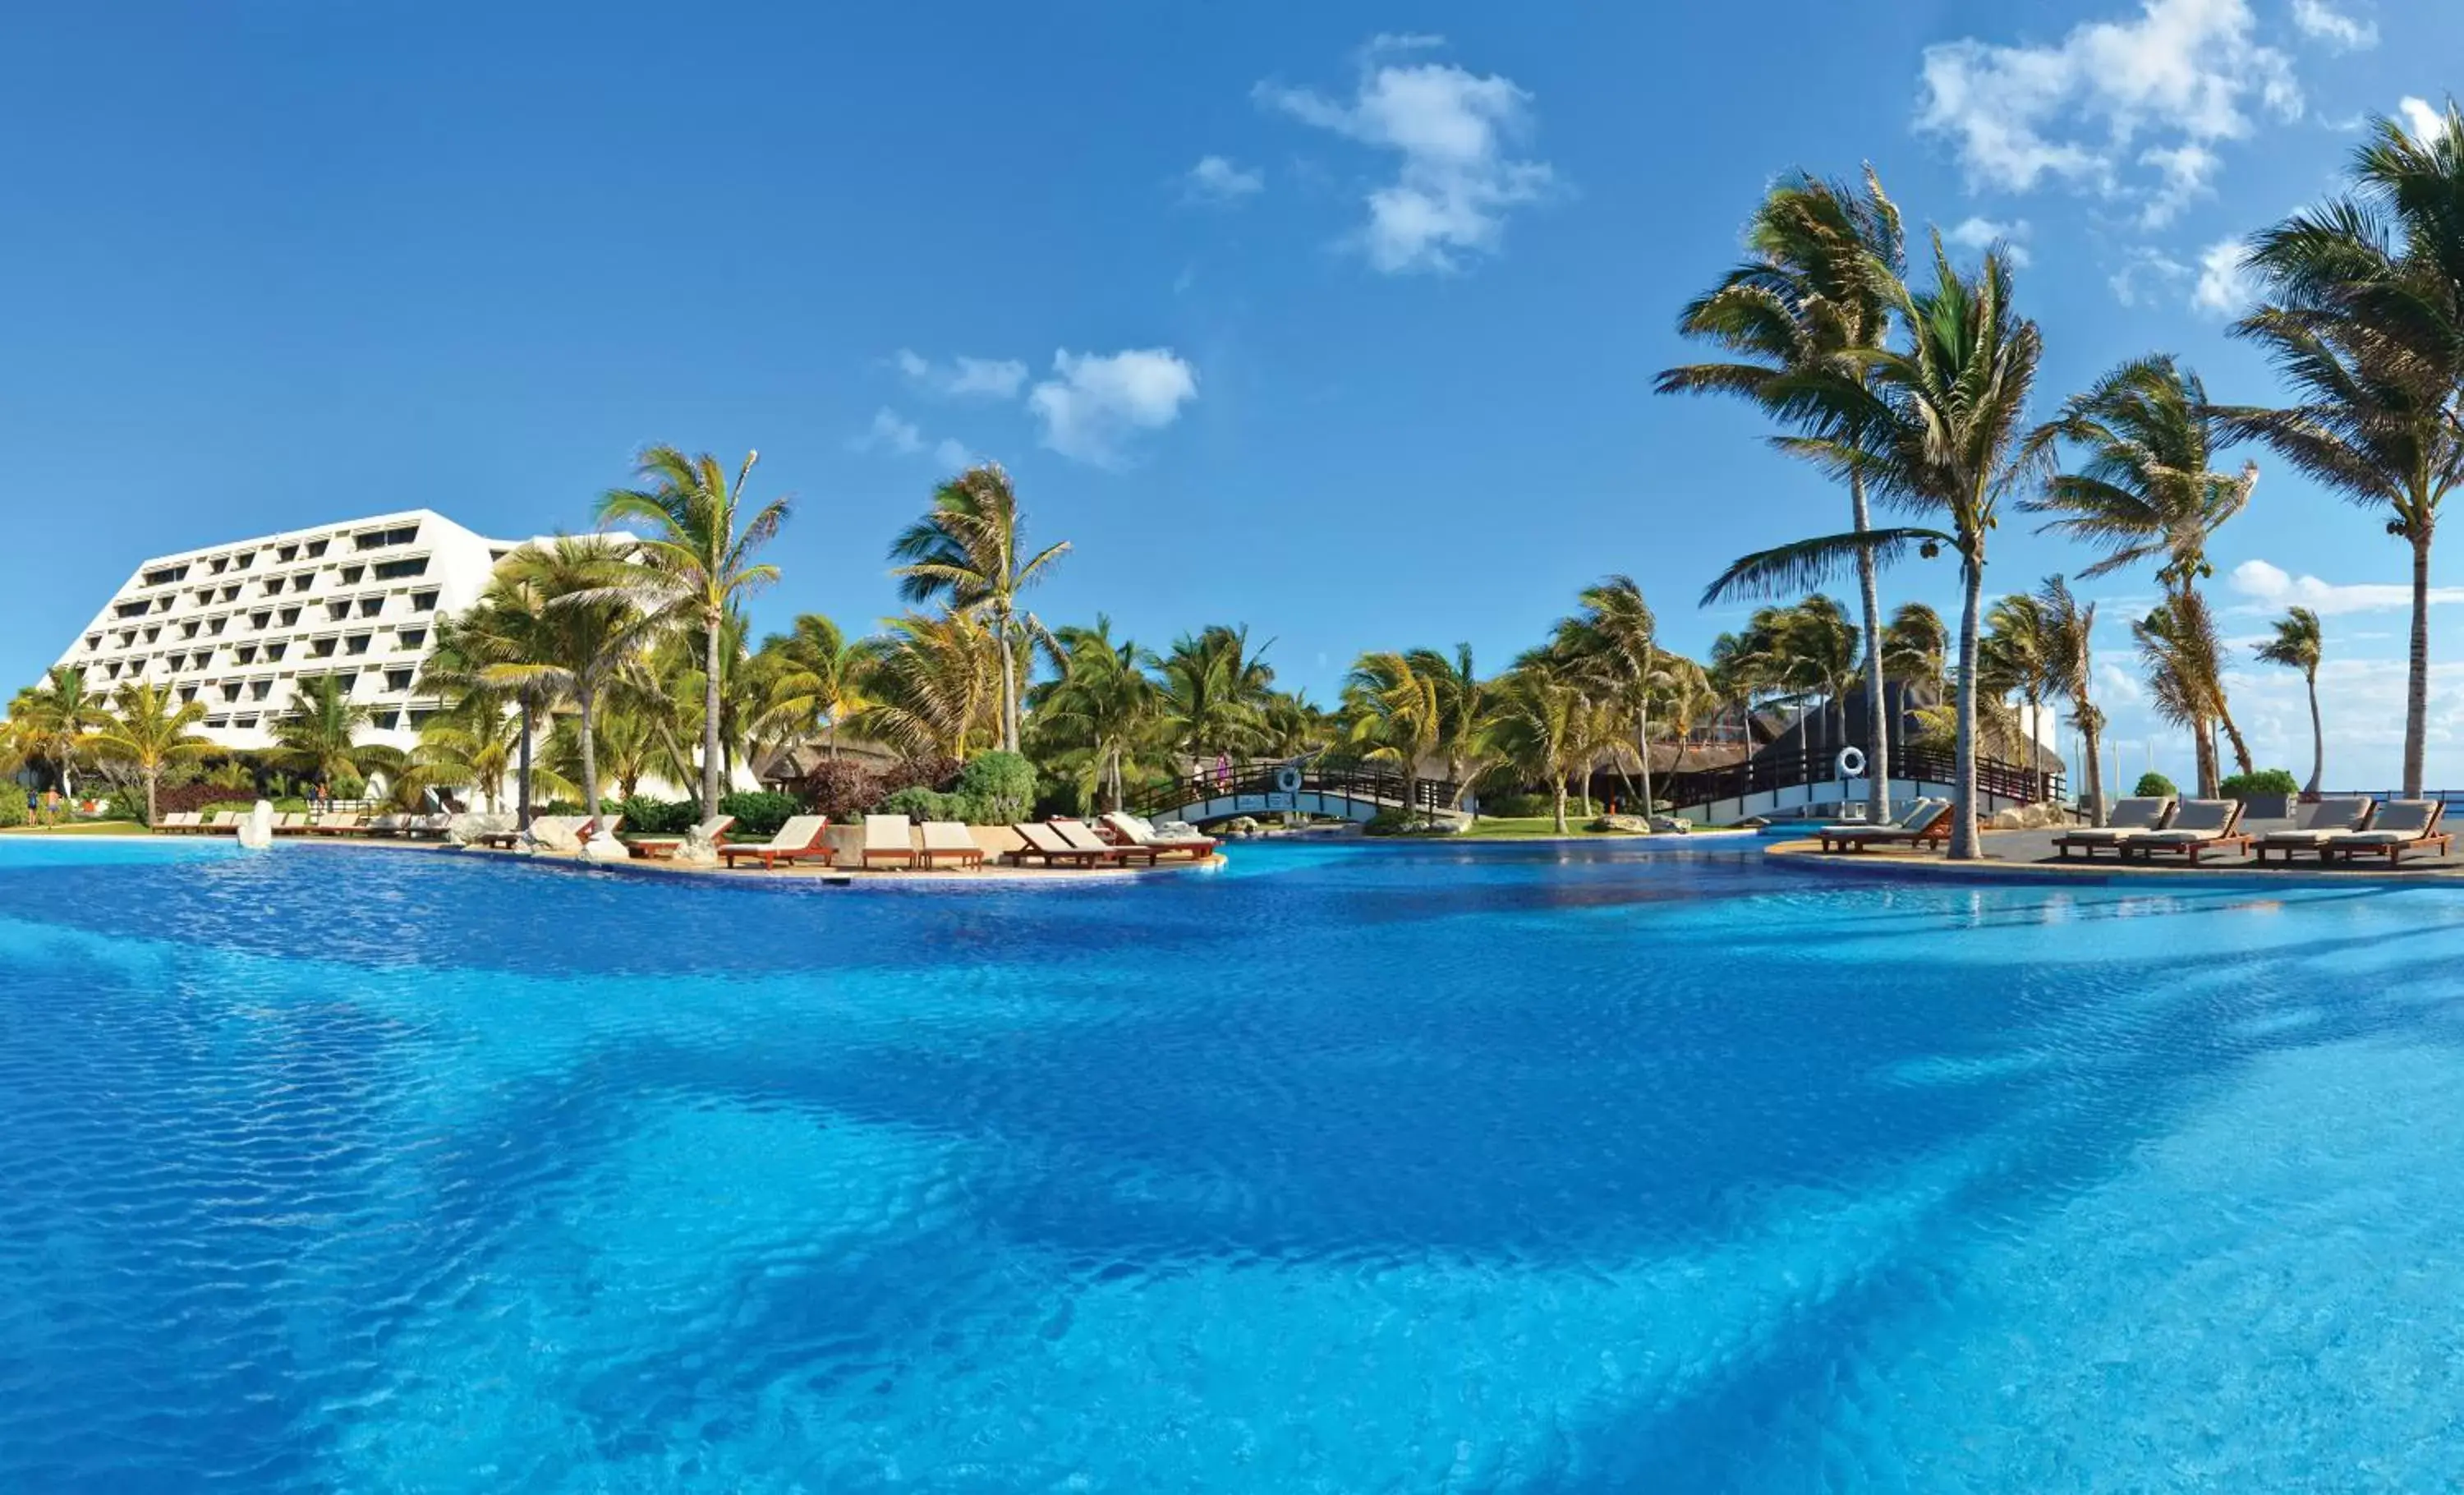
{"type": "Point", "coordinates": [1080, 835]}
{"type": "Point", "coordinates": [291, 824]}
{"type": "Point", "coordinates": [659, 848]}
{"type": "Point", "coordinates": [2325, 822]}
{"type": "Point", "coordinates": [888, 838]}
{"type": "Point", "coordinates": [1045, 844]}
{"type": "Point", "coordinates": [2199, 828]}
{"type": "Point", "coordinates": [2134, 816]}
{"type": "Point", "coordinates": [176, 823]}
{"type": "Point", "coordinates": [507, 840]}
{"type": "Point", "coordinates": [224, 821]}
{"type": "Point", "coordinates": [428, 827]}
{"type": "Point", "coordinates": [800, 839]}
{"type": "Point", "coordinates": [590, 830]}
{"type": "Point", "coordinates": [948, 841]}
{"type": "Point", "coordinates": [346, 823]}
{"type": "Point", "coordinates": [1926, 819]}
{"type": "Point", "coordinates": [1135, 831]}
{"type": "Point", "coordinates": [382, 825]}
{"type": "Point", "coordinates": [2401, 825]}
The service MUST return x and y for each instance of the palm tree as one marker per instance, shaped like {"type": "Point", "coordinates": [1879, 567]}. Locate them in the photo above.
{"type": "Point", "coordinates": [1916, 645]}
{"type": "Point", "coordinates": [1933, 425]}
{"type": "Point", "coordinates": [1100, 713]}
{"type": "Point", "coordinates": [319, 737]}
{"type": "Point", "coordinates": [2185, 664]}
{"type": "Point", "coordinates": [934, 686]}
{"type": "Point", "coordinates": [150, 733]}
{"type": "Point", "coordinates": [1290, 726]}
{"type": "Point", "coordinates": [2070, 670]}
{"type": "Point", "coordinates": [2147, 490]}
{"type": "Point", "coordinates": [2297, 645]}
{"type": "Point", "coordinates": [1216, 690]}
{"type": "Point", "coordinates": [581, 602]}
{"type": "Point", "coordinates": [704, 533]}
{"type": "Point", "coordinates": [1538, 730]}
{"type": "Point", "coordinates": [467, 748]}
{"type": "Point", "coordinates": [2016, 656]}
{"type": "Point", "coordinates": [2363, 315]}
{"type": "Point", "coordinates": [1617, 635]}
{"type": "Point", "coordinates": [1686, 700]}
{"type": "Point", "coordinates": [54, 718]}
{"type": "Point", "coordinates": [482, 662]}
{"type": "Point", "coordinates": [969, 550]}
{"type": "Point", "coordinates": [812, 680]}
{"type": "Point", "coordinates": [1813, 296]}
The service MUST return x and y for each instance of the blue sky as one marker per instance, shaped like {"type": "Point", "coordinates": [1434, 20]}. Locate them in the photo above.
{"type": "Point", "coordinates": [1335, 320]}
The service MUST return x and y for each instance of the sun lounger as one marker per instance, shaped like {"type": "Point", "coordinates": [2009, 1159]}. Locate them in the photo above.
{"type": "Point", "coordinates": [948, 841]}
{"type": "Point", "coordinates": [342, 823]}
{"type": "Point", "coordinates": [1926, 819]}
{"type": "Point", "coordinates": [555, 824]}
{"type": "Point", "coordinates": [2327, 822]}
{"type": "Point", "coordinates": [1082, 836]}
{"type": "Point", "coordinates": [888, 838]}
{"type": "Point", "coordinates": [2400, 826]}
{"type": "Point", "coordinates": [659, 848]}
{"type": "Point", "coordinates": [1045, 844]}
{"type": "Point", "coordinates": [2200, 827]}
{"type": "Point", "coordinates": [428, 827]}
{"type": "Point", "coordinates": [178, 824]}
{"type": "Point", "coordinates": [800, 839]}
{"type": "Point", "coordinates": [224, 821]}
{"type": "Point", "coordinates": [291, 824]}
{"type": "Point", "coordinates": [1134, 831]}
{"type": "Point", "coordinates": [382, 825]}
{"type": "Point", "coordinates": [2133, 817]}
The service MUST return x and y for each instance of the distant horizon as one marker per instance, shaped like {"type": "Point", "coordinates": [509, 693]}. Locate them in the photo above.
{"type": "Point", "coordinates": [1344, 336]}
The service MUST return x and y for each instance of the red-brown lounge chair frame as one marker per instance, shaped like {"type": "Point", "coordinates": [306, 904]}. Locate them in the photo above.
{"type": "Point", "coordinates": [771, 856]}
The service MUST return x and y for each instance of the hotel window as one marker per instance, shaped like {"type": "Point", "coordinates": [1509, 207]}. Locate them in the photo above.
{"type": "Point", "coordinates": [420, 718]}
{"type": "Point", "coordinates": [272, 587]}
{"type": "Point", "coordinates": [274, 651]}
{"type": "Point", "coordinates": [396, 570]}
{"type": "Point", "coordinates": [260, 621]}
{"type": "Point", "coordinates": [187, 694]}
{"type": "Point", "coordinates": [413, 638]}
{"type": "Point", "coordinates": [351, 575]}
{"type": "Point", "coordinates": [245, 654]}
{"type": "Point", "coordinates": [290, 617]}
{"type": "Point", "coordinates": [215, 627]}
{"type": "Point", "coordinates": [357, 644]}
{"type": "Point", "coordinates": [153, 633]}
{"type": "Point", "coordinates": [163, 603]}
{"type": "Point", "coordinates": [230, 594]}
{"type": "Point", "coordinates": [93, 642]}
{"type": "Point", "coordinates": [286, 553]}
{"type": "Point", "coordinates": [217, 723]}
{"type": "Point", "coordinates": [303, 580]}
{"type": "Point", "coordinates": [230, 691]}
{"type": "Point", "coordinates": [166, 577]}
{"type": "Point", "coordinates": [130, 609]}
{"type": "Point", "coordinates": [316, 548]}
{"type": "Point", "coordinates": [336, 613]}
{"type": "Point", "coordinates": [188, 630]}
{"type": "Point", "coordinates": [218, 563]}
{"type": "Point", "coordinates": [243, 722]}
{"type": "Point", "coordinates": [398, 679]}
{"type": "Point", "coordinates": [260, 690]}
{"type": "Point", "coordinates": [422, 602]}
{"type": "Point", "coordinates": [379, 539]}
{"type": "Point", "coordinates": [320, 649]}
{"type": "Point", "coordinates": [371, 606]}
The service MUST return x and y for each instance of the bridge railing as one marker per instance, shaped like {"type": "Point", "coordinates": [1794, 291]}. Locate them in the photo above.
{"type": "Point", "coordinates": [1768, 771]}
{"type": "Point", "coordinates": [1385, 786]}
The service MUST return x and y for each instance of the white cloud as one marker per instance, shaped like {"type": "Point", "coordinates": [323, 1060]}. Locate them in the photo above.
{"type": "Point", "coordinates": [1982, 233]}
{"type": "Point", "coordinates": [2271, 588]}
{"type": "Point", "coordinates": [889, 432]}
{"type": "Point", "coordinates": [2136, 283]}
{"type": "Point", "coordinates": [1217, 180]}
{"type": "Point", "coordinates": [2181, 74]}
{"type": "Point", "coordinates": [2421, 118]}
{"type": "Point", "coordinates": [2323, 22]}
{"type": "Point", "coordinates": [996, 379]}
{"type": "Point", "coordinates": [2117, 686]}
{"type": "Point", "coordinates": [1452, 129]}
{"type": "Point", "coordinates": [2225, 286]}
{"type": "Point", "coordinates": [1093, 402]}
{"type": "Point", "coordinates": [953, 454]}
{"type": "Point", "coordinates": [2184, 171]}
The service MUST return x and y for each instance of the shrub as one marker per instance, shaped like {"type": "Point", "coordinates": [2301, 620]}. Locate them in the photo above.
{"type": "Point", "coordinates": [12, 808]}
{"type": "Point", "coordinates": [1514, 804]}
{"type": "Point", "coordinates": [648, 817]}
{"type": "Point", "coordinates": [997, 788]}
{"type": "Point", "coordinates": [126, 805]}
{"type": "Point", "coordinates": [840, 788]}
{"type": "Point", "coordinates": [759, 812]}
{"type": "Point", "coordinates": [2153, 785]}
{"type": "Point", "coordinates": [2263, 780]}
{"type": "Point", "coordinates": [1392, 823]}
{"type": "Point", "coordinates": [918, 802]}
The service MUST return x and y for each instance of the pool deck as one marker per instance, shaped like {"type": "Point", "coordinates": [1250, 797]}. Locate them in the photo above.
{"type": "Point", "coordinates": [2029, 856]}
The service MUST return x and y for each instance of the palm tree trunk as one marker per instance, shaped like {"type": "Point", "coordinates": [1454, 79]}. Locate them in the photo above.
{"type": "Point", "coordinates": [522, 785]}
{"type": "Point", "coordinates": [1643, 716]}
{"type": "Point", "coordinates": [1963, 782]}
{"type": "Point", "coordinates": [2094, 774]}
{"type": "Point", "coordinates": [2233, 734]}
{"type": "Point", "coordinates": [1560, 817]}
{"type": "Point", "coordinates": [718, 623]}
{"type": "Point", "coordinates": [590, 751]}
{"type": "Point", "coordinates": [152, 777]}
{"type": "Point", "coordinates": [2318, 737]}
{"type": "Point", "coordinates": [2203, 758]}
{"type": "Point", "coordinates": [2416, 689]}
{"type": "Point", "coordinates": [1009, 687]}
{"type": "Point", "coordinates": [1878, 731]}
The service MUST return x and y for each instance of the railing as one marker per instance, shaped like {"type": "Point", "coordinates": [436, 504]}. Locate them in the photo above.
{"type": "Point", "coordinates": [1770, 771]}
{"type": "Point", "coordinates": [1382, 786]}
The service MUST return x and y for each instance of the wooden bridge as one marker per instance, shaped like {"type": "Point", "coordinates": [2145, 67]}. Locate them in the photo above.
{"type": "Point", "coordinates": [1780, 783]}
{"type": "Point", "coordinates": [1293, 788]}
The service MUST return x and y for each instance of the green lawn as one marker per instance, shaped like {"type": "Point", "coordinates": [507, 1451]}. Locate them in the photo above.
{"type": "Point", "coordinates": [1519, 827]}
{"type": "Point", "coordinates": [83, 827]}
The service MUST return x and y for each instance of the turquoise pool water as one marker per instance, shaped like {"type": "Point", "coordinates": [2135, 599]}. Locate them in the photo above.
{"type": "Point", "coordinates": [1350, 1168]}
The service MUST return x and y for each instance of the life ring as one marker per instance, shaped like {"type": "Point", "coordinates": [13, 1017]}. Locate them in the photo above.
{"type": "Point", "coordinates": [1852, 763]}
{"type": "Point", "coordinates": [1287, 779]}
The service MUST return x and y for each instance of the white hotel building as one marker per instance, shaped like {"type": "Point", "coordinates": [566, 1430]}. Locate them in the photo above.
{"type": "Point", "coordinates": [238, 626]}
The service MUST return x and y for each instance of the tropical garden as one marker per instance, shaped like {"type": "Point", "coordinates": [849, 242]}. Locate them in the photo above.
{"type": "Point", "coordinates": [620, 669]}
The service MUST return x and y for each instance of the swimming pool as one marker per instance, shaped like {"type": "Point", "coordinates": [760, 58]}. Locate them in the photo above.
{"type": "Point", "coordinates": [1426, 1167]}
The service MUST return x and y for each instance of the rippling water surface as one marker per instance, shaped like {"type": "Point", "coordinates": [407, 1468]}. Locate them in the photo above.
{"type": "Point", "coordinates": [1347, 1169]}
